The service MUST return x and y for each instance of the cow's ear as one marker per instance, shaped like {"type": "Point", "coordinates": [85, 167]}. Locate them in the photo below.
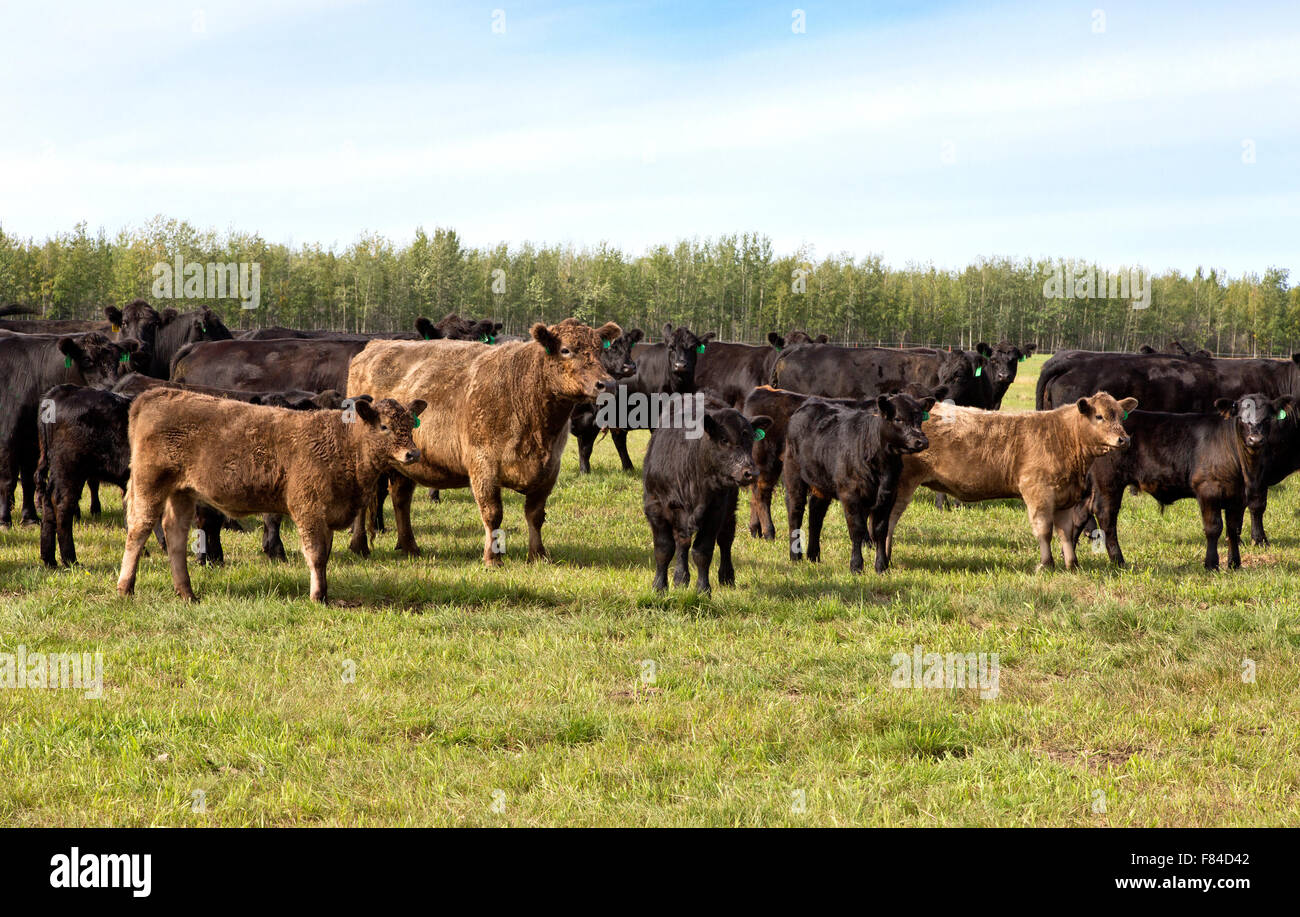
{"type": "Point", "coordinates": [1146, 349]}
{"type": "Point", "coordinates": [496, 327]}
{"type": "Point", "coordinates": [1225, 406]}
{"type": "Point", "coordinates": [713, 428]}
{"type": "Point", "coordinates": [634, 335]}
{"type": "Point", "coordinates": [775, 340]}
{"type": "Point", "coordinates": [609, 332]}
{"type": "Point", "coordinates": [707, 336]}
{"type": "Point", "coordinates": [1128, 406]}
{"type": "Point", "coordinates": [71, 348]}
{"type": "Point", "coordinates": [542, 335]}
{"type": "Point", "coordinates": [1295, 358]}
{"type": "Point", "coordinates": [927, 403]}
{"type": "Point", "coordinates": [417, 407]}
{"type": "Point", "coordinates": [1085, 408]}
{"type": "Point", "coordinates": [130, 345]}
{"type": "Point", "coordinates": [114, 316]}
{"type": "Point", "coordinates": [984, 349]}
{"type": "Point", "coordinates": [886, 407]}
{"type": "Point", "coordinates": [365, 410]}
{"type": "Point", "coordinates": [427, 329]}
{"type": "Point", "coordinates": [761, 422]}
{"type": "Point", "coordinates": [822, 339]}
{"type": "Point", "coordinates": [1028, 349]}
{"type": "Point", "coordinates": [668, 329]}
{"type": "Point", "coordinates": [940, 393]}
{"type": "Point", "coordinates": [168, 315]}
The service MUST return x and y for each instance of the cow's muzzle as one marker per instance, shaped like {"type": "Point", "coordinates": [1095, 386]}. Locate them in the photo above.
{"type": "Point", "coordinates": [410, 456]}
{"type": "Point", "coordinates": [606, 384]}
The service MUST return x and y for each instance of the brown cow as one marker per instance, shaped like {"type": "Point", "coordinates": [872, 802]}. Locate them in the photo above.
{"type": "Point", "coordinates": [1042, 457]}
{"type": "Point", "coordinates": [316, 467]}
{"type": "Point", "coordinates": [498, 418]}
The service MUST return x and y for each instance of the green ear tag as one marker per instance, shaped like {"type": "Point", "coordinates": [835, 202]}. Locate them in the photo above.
{"type": "Point", "coordinates": [485, 339]}
{"type": "Point", "coordinates": [1022, 359]}
{"type": "Point", "coordinates": [760, 434]}
{"type": "Point", "coordinates": [426, 337]}
{"type": "Point", "coordinates": [607, 343]}
{"type": "Point", "coordinates": [492, 338]}
{"type": "Point", "coordinates": [417, 423]}
{"type": "Point", "coordinates": [124, 358]}
{"type": "Point", "coordinates": [1125, 415]}
{"type": "Point", "coordinates": [67, 362]}
{"type": "Point", "coordinates": [925, 415]}
{"type": "Point", "coordinates": [978, 371]}
{"type": "Point", "coordinates": [700, 349]}
{"type": "Point", "coordinates": [1281, 415]}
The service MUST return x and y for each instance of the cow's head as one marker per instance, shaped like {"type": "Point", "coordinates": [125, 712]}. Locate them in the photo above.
{"type": "Point", "coordinates": [387, 427]}
{"type": "Point", "coordinates": [1103, 420]}
{"type": "Point", "coordinates": [98, 360]}
{"type": "Point", "coordinates": [1004, 360]}
{"type": "Point", "coordinates": [901, 417]}
{"type": "Point", "coordinates": [1259, 418]}
{"type": "Point", "coordinates": [803, 337]}
{"type": "Point", "coordinates": [684, 348]}
{"type": "Point", "coordinates": [199, 325]}
{"type": "Point", "coordinates": [484, 331]}
{"type": "Point", "coordinates": [138, 320]}
{"type": "Point", "coordinates": [616, 355]}
{"type": "Point", "coordinates": [572, 353]}
{"type": "Point", "coordinates": [728, 446]}
{"type": "Point", "coordinates": [957, 372]}
{"type": "Point", "coordinates": [428, 330]}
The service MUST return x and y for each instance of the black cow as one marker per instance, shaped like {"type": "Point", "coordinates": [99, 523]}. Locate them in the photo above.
{"type": "Point", "coordinates": [32, 364]}
{"type": "Point", "coordinates": [665, 369]}
{"type": "Point", "coordinates": [780, 405]}
{"type": "Point", "coordinates": [258, 366]}
{"type": "Point", "coordinates": [111, 325]}
{"type": "Point", "coordinates": [618, 362]}
{"type": "Point", "coordinates": [729, 372]}
{"type": "Point", "coordinates": [171, 331]}
{"type": "Point", "coordinates": [831, 371]}
{"type": "Point", "coordinates": [691, 487]}
{"type": "Point", "coordinates": [1163, 382]}
{"type": "Point", "coordinates": [1004, 361]}
{"type": "Point", "coordinates": [837, 452]}
{"type": "Point", "coordinates": [1215, 458]}
{"type": "Point", "coordinates": [1281, 460]}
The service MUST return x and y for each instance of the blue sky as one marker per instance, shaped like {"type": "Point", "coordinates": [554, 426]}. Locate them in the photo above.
{"type": "Point", "coordinates": [917, 131]}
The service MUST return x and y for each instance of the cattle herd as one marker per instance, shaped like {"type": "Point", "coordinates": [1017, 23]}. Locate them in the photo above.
{"type": "Point", "coordinates": [200, 426]}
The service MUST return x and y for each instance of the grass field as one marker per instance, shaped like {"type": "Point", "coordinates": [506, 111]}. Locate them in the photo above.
{"type": "Point", "coordinates": [522, 696]}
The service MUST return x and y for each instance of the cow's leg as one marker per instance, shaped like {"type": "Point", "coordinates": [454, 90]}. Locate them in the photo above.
{"type": "Point", "coordinates": [176, 524]}
{"type": "Point", "coordinates": [535, 516]}
{"type": "Point", "coordinates": [1064, 525]}
{"type": "Point", "coordinates": [878, 523]}
{"type": "Point", "coordinates": [1233, 514]}
{"type": "Point", "coordinates": [902, 497]}
{"type": "Point", "coordinates": [435, 496]}
{"type": "Point", "coordinates": [272, 546]}
{"type": "Point", "coordinates": [855, 518]}
{"type": "Point", "coordinates": [1040, 521]}
{"type": "Point", "coordinates": [8, 481]}
{"type": "Point", "coordinates": [27, 470]}
{"type": "Point", "coordinates": [665, 547]}
{"type": "Point", "coordinates": [702, 552]}
{"type": "Point", "coordinates": [620, 444]}
{"type": "Point", "coordinates": [586, 442]}
{"type": "Point", "coordinates": [360, 543]}
{"type": "Point", "coordinates": [209, 521]}
{"type": "Point", "coordinates": [59, 505]}
{"type": "Point", "coordinates": [382, 487]}
{"type": "Point", "coordinates": [317, 541]}
{"type": "Point", "coordinates": [141, 517]}
{"type": "Point", "coordinates": [796, 495]}
{"type": "Point", "coordinates": [682, 573]}
{"type": "Point", "coordinates": [51, 530]}
{"type": "Point", "coordinates": [1212, 523]}
{"type": "Point", "coordinates": [760, 515]}
{"type": "Point", "coordinates": [402, 489]}
{"type": "Point", "coordinates": [95, 508]}
{"type": "Point", "coordinates": [817, 507]}
{"type": "Point", "coordinates": [726, 537]}
{"type": "Point", "coordinates": [941, 500]}
{"type": "Point", "coordinates": [1258, 503]}
{"type": "Point", "coordinates": [488, 496]}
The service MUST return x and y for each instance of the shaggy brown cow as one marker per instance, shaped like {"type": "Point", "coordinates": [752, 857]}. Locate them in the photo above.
{"type": "Point", "coordinates": [1042, 457]}
{"type": "Point", "coordinates": [498, 418]}
{"type": "Point", "coordinates": [316, 467]}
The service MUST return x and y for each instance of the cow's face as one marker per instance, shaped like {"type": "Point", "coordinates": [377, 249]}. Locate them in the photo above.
{"type": "Point", "coordinates": [729, 438]}
{"type": "Point", "coordinates": [901, 417]}
{"type": "Point", "coordinates": [616, 355]}
{"type": "Point", "coordinates": [1258, 418]}
{"type": "Point", "coordinates": [100, 362]}
{"type": "Point", "coordinates": [1004, 361]}
{"type": "Point", "coordinates": [388, 428]}
{"type": "Point", "coordinates": [573, 358]}
{"type": "Point", "coordinates": [139, 321]}
{"type": "Point", "coordinates": [1103, 419]}
{"type": "Point", "coordinates": [200, 325]}
{"type": "Point", "coordinates": [684, 348]}
{"type": "Point", "coordinates": [958, 374]}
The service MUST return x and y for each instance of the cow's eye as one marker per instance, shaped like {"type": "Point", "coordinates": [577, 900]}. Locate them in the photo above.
{"type": "Point", "coordinates": [566, 352]}
{"type": "Point", "coordinates": [383, 427]}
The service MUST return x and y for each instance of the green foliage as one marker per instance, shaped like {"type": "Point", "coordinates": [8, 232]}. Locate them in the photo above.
{"type": "Point", "coordinates": [735, 286]}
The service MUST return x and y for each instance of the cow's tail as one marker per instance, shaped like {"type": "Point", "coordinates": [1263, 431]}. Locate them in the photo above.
{"type": "Point", "coordinates": [16, 309]}
{"type": "Point", "coordinates": [1045, 377]}
{"type": "Point", "coordinates": [176, 360]}
{"type": "Point", "coordinates": [44, 432]}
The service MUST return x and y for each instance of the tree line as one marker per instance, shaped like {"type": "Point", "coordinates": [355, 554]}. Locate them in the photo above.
{"type": "Point", "coordinates": [736, 286]}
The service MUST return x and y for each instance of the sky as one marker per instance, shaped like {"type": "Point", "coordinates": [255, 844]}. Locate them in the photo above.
{"type": "Point", "coordinates": [1160, 134]}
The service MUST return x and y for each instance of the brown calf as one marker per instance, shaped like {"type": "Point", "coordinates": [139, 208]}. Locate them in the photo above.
{"type": "Point", "coordinates": [498, 418]}
{"type": "Point", "coordinates": [316, 467]}
{"type": "Point", "coordinates": [1042, 457]}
